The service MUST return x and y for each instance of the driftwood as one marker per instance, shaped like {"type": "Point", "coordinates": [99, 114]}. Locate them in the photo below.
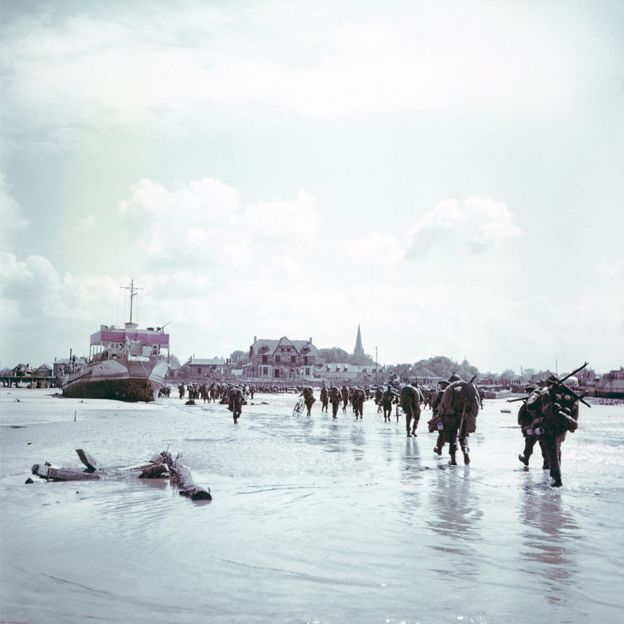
{"type": "Point", "coordinates": [50, 473]}
{"type": "Point", "coordinates": [182, 478]}
{"type": "Point", "coordinates": [162, 465]}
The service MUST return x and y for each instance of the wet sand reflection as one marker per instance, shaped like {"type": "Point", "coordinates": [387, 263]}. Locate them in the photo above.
{"type": "Point", "coordinates": [548, 530]}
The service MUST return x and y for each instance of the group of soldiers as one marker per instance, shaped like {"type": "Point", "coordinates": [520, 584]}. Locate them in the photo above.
{"type": "Point", "coordinates": [548, 411]}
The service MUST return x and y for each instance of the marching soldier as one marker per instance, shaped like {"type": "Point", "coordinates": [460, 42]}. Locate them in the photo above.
{"type": "Point", "coordinates": [525, 420]}
{"type": "Point", "coordinates": [344, 392]}
{"type": "Point", "coordinates": [554, 409]}
{"type": "Point", "coordinates": [236, 400]}
{"type": "Point", "coordinates": [436, 423]}
{"type": "Point", "coordinates": [324, 399]}
{"type": "Point", "coordinates": [409, 399]}
{"type": "Point", "coordinates": [357, 400]}
{"type": "Point", "coordinates": [388, 398]}
{"type": "Point", "coordinates": [308, 398]}
{"type": "Point", "coordinates": [334, 399]}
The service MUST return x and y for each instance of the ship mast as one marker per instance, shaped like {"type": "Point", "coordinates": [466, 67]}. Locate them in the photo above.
{"type": "Point", "coordinates": [133, 293]}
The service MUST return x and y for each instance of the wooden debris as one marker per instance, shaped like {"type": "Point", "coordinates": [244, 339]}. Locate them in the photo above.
{"type": "Point", "coordinates": [182, 478]}
{"type": "Point", "coordinates": [162, 465]}
{"type": "Point", "coordinates": [51, 473]}
{"type": "Point", "coordinates": [88, 460]}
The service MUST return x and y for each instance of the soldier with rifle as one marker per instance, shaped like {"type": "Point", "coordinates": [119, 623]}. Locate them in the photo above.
{"type": "Point", "coordinates": [554, 411]}
{"type": "Point", "coordinates": [525, 420]}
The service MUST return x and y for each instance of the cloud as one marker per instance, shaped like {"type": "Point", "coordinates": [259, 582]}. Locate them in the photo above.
{"type": "Point", "coordinates": [133, 65]}
{"type": "Point", "coordinates": [476, 225]}
{"type": "Point", "coordinates": [11, 216]}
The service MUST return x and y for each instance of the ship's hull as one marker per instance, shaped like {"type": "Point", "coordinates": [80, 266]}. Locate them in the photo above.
{"type": "Point", "coordinates": [128, 381]}
{"type": "Point", "coordinates": [611, 391]}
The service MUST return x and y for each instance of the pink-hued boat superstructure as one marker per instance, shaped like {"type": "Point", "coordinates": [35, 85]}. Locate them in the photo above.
{"type": "Point", "coordinates": [127, 364]}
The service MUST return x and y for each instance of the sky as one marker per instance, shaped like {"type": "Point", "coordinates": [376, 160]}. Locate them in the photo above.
{"type": "Point", "coordinates": [449, 175]}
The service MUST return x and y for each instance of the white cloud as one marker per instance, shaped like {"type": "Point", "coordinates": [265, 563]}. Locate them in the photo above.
{"type": "Point", "coordinates": [11, 217]}
{"type": "Point", "coordinates": [476, 224]}
{"type": "Point", "coordinates": [311, 63]}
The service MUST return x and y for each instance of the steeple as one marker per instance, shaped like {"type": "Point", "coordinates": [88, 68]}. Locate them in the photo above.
{"type": "Point", "coordinates": [358, 352]}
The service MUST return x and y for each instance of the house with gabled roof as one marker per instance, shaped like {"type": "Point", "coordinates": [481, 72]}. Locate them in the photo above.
{"type": "Point", "coordinates": [283, 359]}
{"type": "Point", "coordinates": [205, 367]}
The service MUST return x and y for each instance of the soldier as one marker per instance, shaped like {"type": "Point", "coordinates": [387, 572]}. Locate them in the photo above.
{"type": "Point", "coordinates": [436, 423]}
{"type": "Point", "coordinates": [308, 398]}
{"type": "Point", "coordinates": [236, 400]}
{"type": "Point", "coordinates": [324, 399]}
{"type": "Point", "coordinates": [378, 398]}
{"type": "Point", "coordinates": [409, 399]}
{"type": "Point", "coordinates": [181, 390]}
{"type": "Point", "coordinates": [554, 409]}
{"type": "Point", "coordinates": [334, 399]}
{"type": "Point", "coordinates": [525, 420]}
{"type": "Point", "coordinates": [357, 400]}
{"type": "Point", "coordinates": [459, 408]}
{"type": "Point", "coordinates": [388, 398]}
{"type": "Point", "coordinates": [344, 392]}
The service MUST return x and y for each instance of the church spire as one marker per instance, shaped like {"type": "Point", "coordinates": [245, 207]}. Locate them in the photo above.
{"type": "Point", "coordinates": [358, 352]}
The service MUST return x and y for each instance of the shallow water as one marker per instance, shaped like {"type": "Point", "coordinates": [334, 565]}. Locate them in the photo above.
{"type": "Point", "coordinates": [313, 520]}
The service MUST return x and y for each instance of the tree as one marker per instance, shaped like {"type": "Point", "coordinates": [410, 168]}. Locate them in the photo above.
{"type": "Point", "coordinates": [174, 362]}
{"type": "Point", "coordinates": [333, 355]}
{"type": "Point", "coordinates": [239, 358]}
{"type": "Point", "coordinates": [507, 375]}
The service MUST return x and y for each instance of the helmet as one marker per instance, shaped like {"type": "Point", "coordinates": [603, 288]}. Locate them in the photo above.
{"type": "Point", "coordinates": [454, 377]}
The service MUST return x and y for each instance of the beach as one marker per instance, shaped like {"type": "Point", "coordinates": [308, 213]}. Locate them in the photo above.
{"type": "Point", "coordinates": [312, 519]}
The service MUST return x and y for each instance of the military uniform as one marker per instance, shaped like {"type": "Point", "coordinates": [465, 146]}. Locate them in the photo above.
{"type": "Point", "coordinates": [324, 399]}
{"type": "Point", "coordinates": [409, 399]}
{"type": "Point", "coordinates": [236, 400]}
{"type": "Point", "coordinates": [334, 399]}
{"type": "Point", "coordinates": [554, 412]}
{"type": "Point", "coordinates": [389, 397]}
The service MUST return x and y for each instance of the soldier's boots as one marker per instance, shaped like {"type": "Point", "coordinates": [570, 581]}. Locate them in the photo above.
{"type": "Point", "coordinates": [437, 450]}
{"type": "Point", "coordinates": [466, 459]}
{"type": "Point", "coordinates": [556, 477]}
{"type": "Point", "coordinates": [524, 460]}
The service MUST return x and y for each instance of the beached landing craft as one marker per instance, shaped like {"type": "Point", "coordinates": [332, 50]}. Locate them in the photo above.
{"type": "Point", "coordinates": [126, 364]}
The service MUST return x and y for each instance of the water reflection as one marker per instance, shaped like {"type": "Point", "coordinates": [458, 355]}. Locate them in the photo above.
{"type": "Point", "coordinates": [548, 531]}
{"type": "Point", "coordinates": [455, 521]}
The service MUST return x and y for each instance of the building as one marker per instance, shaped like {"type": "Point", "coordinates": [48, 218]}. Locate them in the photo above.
{"type": "Point", "coordinates": [343, 372]}
{"type": "Point", "coordinates": [358, 352]}
{"type": "Point", "coordinates": [203, 367]}
{"type": "Point", "coordinates": [283, 359]}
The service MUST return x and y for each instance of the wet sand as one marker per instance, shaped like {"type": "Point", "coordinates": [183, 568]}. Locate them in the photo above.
{"type": "Point", "coordinates": [313, 520]}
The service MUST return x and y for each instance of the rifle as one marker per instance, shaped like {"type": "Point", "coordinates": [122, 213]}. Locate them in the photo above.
{"type": "Point", "coordinates": [578, 370]}
{"type": "Point", "coordinates": [560, 382]}
{"type": "Point", "coordinates": [519, 399]}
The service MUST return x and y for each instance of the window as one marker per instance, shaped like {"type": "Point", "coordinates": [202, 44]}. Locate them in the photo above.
{"type": "Point", "coordinates": [265, 359]}
{"type": "Point", "coordinates": [305, 359]}
{"type": "Point", "coordinates": [265, 370]}
{"type": "Point", "coordinates": [278, 358]}
{"type": "Point", "coordinates": [293, 358]}
{"type": "Point", "coordinates": [307, 371]}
